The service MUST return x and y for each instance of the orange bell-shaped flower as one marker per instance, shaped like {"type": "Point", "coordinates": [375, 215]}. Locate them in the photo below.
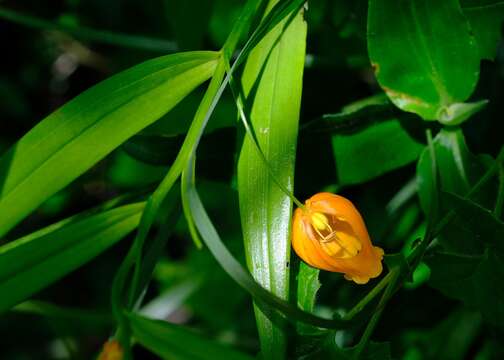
{"type": "Point", "coordinates": [329, 234]}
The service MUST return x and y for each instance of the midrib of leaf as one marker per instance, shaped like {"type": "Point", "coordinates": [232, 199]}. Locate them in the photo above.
{"type": "Point", "coordinates": [433, 74]}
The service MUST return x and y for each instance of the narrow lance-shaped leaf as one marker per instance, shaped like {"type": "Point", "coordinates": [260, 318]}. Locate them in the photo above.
{"type": "Point", "coordinates": [272, 82]}
{"type": "Point", "coordinates": [29, 264]}
{"type": "Point", "coordinates": [422, 67]}
{"type": "Point", "coordinates": [71, 140]}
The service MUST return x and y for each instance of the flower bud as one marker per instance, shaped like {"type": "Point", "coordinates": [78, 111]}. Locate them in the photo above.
{"type": "Point", "coordinates": [329, 234]}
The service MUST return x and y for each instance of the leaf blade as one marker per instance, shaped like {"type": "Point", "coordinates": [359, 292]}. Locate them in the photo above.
{"type": "Point", "coordinates": [31, 263]}
{"type": "Point", "coordinates": [68, 142]}
{"type": "Point", "coordinates": [272, 81]}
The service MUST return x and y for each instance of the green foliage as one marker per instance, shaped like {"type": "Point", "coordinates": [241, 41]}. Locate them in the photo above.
{"type": "Point", "coordinates": [68, 142]}
{"type": "Point", "coordinates": [474, 276]}
{"type": "Point", "coordinates": [271, 83]}
{"type": "Point", "coordinates": [36, 260]}
{"type": "Point", "coordinates": [373, 151]}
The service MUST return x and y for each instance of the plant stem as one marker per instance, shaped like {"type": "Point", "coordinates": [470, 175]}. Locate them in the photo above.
{"type": "Point", "coordinates": [394, 277]}
{"type": "Point", "coordinates": [369, 296]}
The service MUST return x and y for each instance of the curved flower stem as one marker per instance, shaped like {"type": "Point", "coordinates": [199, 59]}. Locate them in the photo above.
{"type": "Point", "coordinates": [395, 275]}
{"type": "Point", "coordinates": [369, 296]}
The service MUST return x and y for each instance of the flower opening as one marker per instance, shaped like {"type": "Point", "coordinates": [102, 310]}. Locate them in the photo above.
{"type": "Point", "coordinates": [330, 234]}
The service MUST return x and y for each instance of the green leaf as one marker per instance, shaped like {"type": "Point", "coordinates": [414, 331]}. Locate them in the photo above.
{"type": "Point", "coordinates": [422, 67]}
{"type": "Point", "coordinates": [485, 227]}
{"type": "Point", "coordinates": [308, 285]}
{"type": "Point", "coordinates": [174, 342]}
{"type": "Point", "coordinates": [458, 171]}
{"type": "Point", "coordinates": [69, 141]}
{"type": "Point", "coordinates": [272, 83]}
{"type": "Point", "coordinates": [373, 151]}
{"type": "Point", "coordinates": [31, 263]}
{"type": "Point", "coordinates": [85, 33]}
{"type": "Point", "coordinates": [486, 21]}
{"type": "Point", "coordinates": [189, 26]}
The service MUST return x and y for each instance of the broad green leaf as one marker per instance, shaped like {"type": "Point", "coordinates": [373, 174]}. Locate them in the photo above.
{"type": "Point", "coordinates": [31, 263]}
{"type": "Point", "coordinates": [173, 342]}
{"type": "Point", "coordinates": [421, 66]}
{"type": "Point", "coordinates": [373, 151]}
{"type": "Point", "coordinates": [69, 141]}
{"type": "Point", "coordinates": [272, 83]}
{"type": "Point", "coordinates": [486, 21]}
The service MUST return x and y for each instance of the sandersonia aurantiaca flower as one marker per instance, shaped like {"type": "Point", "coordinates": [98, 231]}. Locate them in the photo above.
{"type": "Point", "coordinates": [330, 234]}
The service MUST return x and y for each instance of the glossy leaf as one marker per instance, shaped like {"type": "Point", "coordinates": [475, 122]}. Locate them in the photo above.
{"type": "Point", "coordinates": [422, 67]}
{"type": "Point", "coordinates": [272, 81]}
{"type": "Point", "coordinates": [70, 141]}
{"type": "Point", "coordinates": [373, 151]}
{"type": "Point", "coordinates": [486, 21]}
{"type": "Point", "coordinates": [31, 263]}
{"type": "Point", "coordinates": [171, 341]}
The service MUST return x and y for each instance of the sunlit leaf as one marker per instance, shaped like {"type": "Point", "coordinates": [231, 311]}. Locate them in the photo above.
{"type": "Point", "coordinates": [71, 140]}
{"type": "Point", "coordinates": [272, 81]}
{"type": "Point", "coordinates": [31, 263]}
{"type": "Point", "coordinates": [422, 67]}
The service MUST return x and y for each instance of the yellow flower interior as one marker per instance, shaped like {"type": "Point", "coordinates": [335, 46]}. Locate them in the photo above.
{"type": "Point", "coordinates": [336, 237]}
